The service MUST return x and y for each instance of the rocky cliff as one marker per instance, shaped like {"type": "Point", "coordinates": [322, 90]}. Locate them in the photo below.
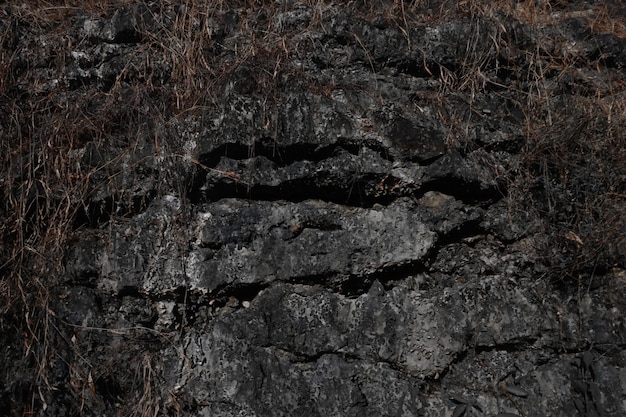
{"type": "Point", "coordinates": [368, 208]}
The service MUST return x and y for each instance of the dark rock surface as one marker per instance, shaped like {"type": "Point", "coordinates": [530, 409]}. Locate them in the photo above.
{"type": "Point", "coordinates": [325, 210]}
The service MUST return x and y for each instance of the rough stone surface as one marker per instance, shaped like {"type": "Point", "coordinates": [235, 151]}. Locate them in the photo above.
{"type": "Point", "coordinates": [339, 243]}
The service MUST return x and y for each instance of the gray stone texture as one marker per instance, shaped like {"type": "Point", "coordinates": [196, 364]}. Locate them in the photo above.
{"type": "Point", "coordinates": [332, 245]}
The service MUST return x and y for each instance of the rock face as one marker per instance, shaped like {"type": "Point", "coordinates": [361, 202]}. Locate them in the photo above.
{"type": "Point", "coordinates": [310, 209]}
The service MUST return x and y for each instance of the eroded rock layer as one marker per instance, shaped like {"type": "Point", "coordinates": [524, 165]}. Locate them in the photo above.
{"type": "Point", "coordinates": [316, 209]}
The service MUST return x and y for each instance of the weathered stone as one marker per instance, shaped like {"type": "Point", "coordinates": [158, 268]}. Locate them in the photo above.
{"type": "Point", "coordinates": [313, 209]}
{"type": "Point", "coordinates": [260, 243]}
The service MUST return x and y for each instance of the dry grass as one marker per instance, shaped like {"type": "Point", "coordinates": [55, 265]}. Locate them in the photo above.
{"type": "Point", "coordinates": [578, 163]}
